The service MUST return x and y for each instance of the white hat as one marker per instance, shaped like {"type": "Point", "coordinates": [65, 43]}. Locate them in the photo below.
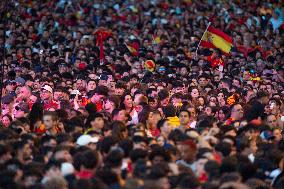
{"type": "Point", "coordinates": [84, 140]}
{"type": "Point", "coordinates": [67, 169]}
{"type": "Point", "coordinates": [75, 92]}
{"type": "Point", "coordinates": [48, 88]}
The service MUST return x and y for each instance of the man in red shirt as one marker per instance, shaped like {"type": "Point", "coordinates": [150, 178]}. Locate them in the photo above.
{"type": "Point", "coordinates": [46, 96]}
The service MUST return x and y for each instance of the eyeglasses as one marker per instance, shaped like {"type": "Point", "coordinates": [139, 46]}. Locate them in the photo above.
{"type": "Point", "coordinates": [17, 108]}
{"type": "Point", "coordinates": [272, 121]}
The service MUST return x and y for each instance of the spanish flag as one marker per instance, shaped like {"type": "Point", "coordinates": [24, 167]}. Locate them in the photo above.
{"type": "Point", "coordinates": [214, 38]}
{"type": "Point", "coordinates": [133, 48]}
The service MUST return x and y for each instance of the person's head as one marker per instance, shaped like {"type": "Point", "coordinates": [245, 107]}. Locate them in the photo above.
{"type": "Point", "coordinates": [271, 120]}
{"type": "Point", "coordinates": [99, 94]}
{"type": "Point", "coordinates": [23, 150]}
{"type": "Point", "coordinates": [164, 126]}
{"type": "Point", "coordinates": [48, 141]}
{"type": "Point", "coordinates": [46, 92]}
{"type": "Point", "coordinates": [194, 92]}
{"type": "Point", "coordinates": [91, 85]}
{"type": "Point", "coordinates": [96, 121]}
{"type": "Point", "coordinates": [20, 110]}
{"type": "Point", "coordinates": [6, 120]}
{"type": "Point", "coordinates": [50, 120]}
{"type": "Point", "coordinates": [5, 153]}
{"type": "Point", "coordinates": [111, 103]}
{"type": "Point", "coordinates": [188, 150]}
{"type": "Point", "coordinates": [224, 84]}
{"type": "Point", "coordinates": [277, 133]}
{"type": "Point", "coordinates": [119, 130]}
{"type": "Point", "coordinates": [262, 97]}
{"type": "Point", "coordinates": [24, 93]}
{"type": "Point", "coordinates": [164, 97]}
{"type": "Point", "coordinates": [154, 117]}
{"type": "Point", "coordinates": [62, 153]}
{"type": "Point", "coordinates": [223, 113]}
{"type": "Point", "coordinates": [184, 117]}
{"type": "Point", "coordinates": [139, 142]}
{"type": "Point", "coordinates": [237, 111]}
{"type": "Point", "coordinates": [120, 115]}
{"type": "Point", "coordinates": [126, 101]}
{"type": "Point", "coordinates": [203, 80]}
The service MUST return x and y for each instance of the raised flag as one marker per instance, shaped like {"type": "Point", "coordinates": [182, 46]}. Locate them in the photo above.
{"type": "Point", "coordinates": [133, 48]}
{"type": "Point", "coordinates": [215, 38]}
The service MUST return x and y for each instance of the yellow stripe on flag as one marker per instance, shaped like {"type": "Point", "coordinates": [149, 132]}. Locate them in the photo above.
{"type": "Point", "coordinates": [218, 42]}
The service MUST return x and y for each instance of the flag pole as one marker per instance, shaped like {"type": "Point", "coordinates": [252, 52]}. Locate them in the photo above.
{"type": "Point", "coordinates": [202, 38]}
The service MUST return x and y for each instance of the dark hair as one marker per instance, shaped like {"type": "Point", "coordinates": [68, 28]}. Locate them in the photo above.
{"type": "Point", "coordinates": [169, 111]}
{"type": "Point", "coordinates": [88, 159]}
{"type": "Point", "coordinates": [105, 145]}
{"type": "Point", "coordinates": [161, 123]}
{"type": "Point", "coordinates": [118, 128]}
{"type": "Point", "coordinates": [36, 114]}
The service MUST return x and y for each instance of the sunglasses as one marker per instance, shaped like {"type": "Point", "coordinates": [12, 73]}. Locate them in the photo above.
{"type": "Point", "coordinates": [17, 108]}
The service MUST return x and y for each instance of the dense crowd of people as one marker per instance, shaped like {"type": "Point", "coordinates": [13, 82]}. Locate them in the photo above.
{"type": "Point", "coordinates": [117, 94]}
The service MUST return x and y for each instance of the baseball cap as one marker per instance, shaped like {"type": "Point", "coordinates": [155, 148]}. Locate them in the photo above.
{"type": "Point", "coordinates": [84, 140]}
{"type": "Point", "coordinates": [48, 88]}
{"type": "Point", "coordinates": [19, 80]}
{"type": "Point", "coordinates": [267, 135]}
{"type": "Point", "coordinates": [7, 99]}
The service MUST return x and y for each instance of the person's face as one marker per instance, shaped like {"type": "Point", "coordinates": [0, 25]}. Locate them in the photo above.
{"type": "Point", "coordinates": [167, 128]}
{"type": "Point", "coordinates": [24, 93]}
{"type": "Point", "coordinates": [202, 81]}
{"type": "Point", "coordinates": [92, 76]}
{"type": "Point", "coordinates": [161, 140]}
{"type": "Point", "coordinates": [48, 122]}
{"type": "Point", "coordinates": [269, 89]}
{"type": "Point", "coordinates": [6, 109]}
{"type": "Point", "coordinates": [153, 104]}
{"type": "Point", "coordinates": [97, 98]}
{"type": "Point", "coordinates": [208, 111]}
{"type": "Point", "coordinates": [238, 112]}
{"type": "Point", "coordinates": [33, 99]}
{"type": "Point", "coordinates": [45, 95]}
{"type": "Point", "coordinates": [128, 101]}
{"type": "Point", "coordinates": [64, 155]}
{"type": "Point", "coordinates": [164, 183]}
{"type": "Point", "coordinates": [91, 86]}
{"type": "Point", "coordinates": [184, 118]}
{"type": "Point", "coordinates": [119, 91]}
{"type": "Point", "coordinates": [200, 165]}
{"type": "Point", "coordinates": [236, 83]}
{"type": "Point", "coordinates": [103, 82]}
{"type": "Point", "coordinates": [272, 121]}
{"type": "Point", "coordinates": [277, 134]}
{"type": "Point", "coordinates": [17, 112]}
{"type": "Point", "coordinates": [221, 115]}
{"type": "Point", "coordinates": [57, 95]}
{"type": "Point", "coordinates": [201, 101]}
{"type": "Point", "coordinates": [122, 116]}
{"type": "Point", "coordinates": [98, 123]}
{"type": "Point", "coordinates": [183, 71]}
{"type": "Point", "coordinates": [165, 102]}
{"type": "Point", "coordinates": [109, 106]}
{"type": "Point", "coordinates": [156, 117]}
{"type": "Point", "coordinates": [194, 93]}
{"type": "Point", "coordinates": [6, 121]}
{"type": "Point", "coordinates": [27, 151]}
{"type": "Point", "coordinates": [220, 97]}
{"type": "Point", "coordinates": [187, 153]}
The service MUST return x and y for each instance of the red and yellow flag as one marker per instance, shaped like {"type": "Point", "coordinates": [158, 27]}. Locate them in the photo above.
{"type": "Point", "coordinates": [133, 48]}
{"type": "Point", "coordinates": [215, 38]}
